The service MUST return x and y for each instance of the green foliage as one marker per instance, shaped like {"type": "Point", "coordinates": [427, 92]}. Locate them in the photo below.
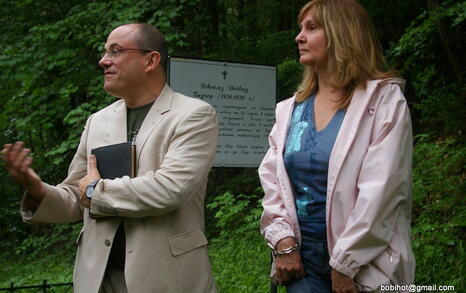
{"type": "Point", "coordinates": [439, 212]}
{"type": "Point", "coordinates": [52, 236]}
{"type": "Point", "coordinates": [55, 268]}
{"type": "Point", "coordinates": [236, 214]}
{"type": "Point", "coordinates": [430, 55]}
{"type": "Point", "coordinates": [289, 74]}
{"type": "Point", "coordinates": [239, 254]}
{"type": "Point", "coordinates": [241, 264]}
{"type": "Point", "coordinates": [418, 37]}
{"type": "Point", "coordinates": [12, 231]}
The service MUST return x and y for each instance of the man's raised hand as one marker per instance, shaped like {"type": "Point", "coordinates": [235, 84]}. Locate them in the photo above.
{"type": "Point", "coordinates": [18, 163]}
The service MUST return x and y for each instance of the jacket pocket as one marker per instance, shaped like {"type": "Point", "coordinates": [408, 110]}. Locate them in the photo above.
{"type": "Point", "coordinates": [381, 271]}
{"type": "Point", "coordinates": [186, 242]}
{"type": "Point", "coordinates": [388, 262]}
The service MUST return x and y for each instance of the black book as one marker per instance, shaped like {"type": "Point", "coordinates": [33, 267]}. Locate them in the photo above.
{"type": "Point", "coordinates": [116, 160]}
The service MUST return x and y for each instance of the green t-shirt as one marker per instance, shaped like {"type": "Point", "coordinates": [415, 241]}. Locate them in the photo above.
{"type": "Point", "coordinates": [134, 119]}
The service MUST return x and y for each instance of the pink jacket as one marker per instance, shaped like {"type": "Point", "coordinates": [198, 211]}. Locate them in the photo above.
{"type": "Point", "coordinates": [368, 208]}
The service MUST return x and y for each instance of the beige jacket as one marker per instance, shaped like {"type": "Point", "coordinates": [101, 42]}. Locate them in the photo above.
{"type": "Point", "coordinates": [368, 206]}
{"type": "Point", "coordinates": [162, 208]}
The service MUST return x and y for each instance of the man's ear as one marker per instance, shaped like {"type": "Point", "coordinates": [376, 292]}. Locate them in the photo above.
{"type": "Point", "coordinates": [152, 61]}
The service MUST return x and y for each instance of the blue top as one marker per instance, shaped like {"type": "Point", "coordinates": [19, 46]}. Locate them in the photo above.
{"type": "Point", "coordinates": [307, 153]}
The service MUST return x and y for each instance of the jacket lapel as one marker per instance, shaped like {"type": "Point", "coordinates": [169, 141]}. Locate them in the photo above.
{"type": "Point", "coordinates": [161, 106]}
{"type": "Point", "coordinates": [347, 133]}
{"type": "Point", "coordinates": [285, 114]}
{"type": "Point", "coordinates": [117, 125]}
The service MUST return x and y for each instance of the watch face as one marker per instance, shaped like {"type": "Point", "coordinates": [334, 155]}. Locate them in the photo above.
{"type": "Point", "coordinates": [89, 191]}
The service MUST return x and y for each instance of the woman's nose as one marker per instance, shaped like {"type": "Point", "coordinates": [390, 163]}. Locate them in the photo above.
{"type": "Point", "coordinates": [299, 38]}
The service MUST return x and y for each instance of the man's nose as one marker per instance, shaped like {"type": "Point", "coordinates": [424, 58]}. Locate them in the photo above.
{"type": "Point", "coordinates": [105, 61]}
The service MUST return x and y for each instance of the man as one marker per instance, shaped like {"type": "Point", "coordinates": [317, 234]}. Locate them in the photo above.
{"type": "Point", "coordinates": [141, 234]}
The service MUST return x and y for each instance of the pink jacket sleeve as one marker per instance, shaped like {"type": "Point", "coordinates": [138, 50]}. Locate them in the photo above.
{"type": "Point", "coordinates": [275, 221]}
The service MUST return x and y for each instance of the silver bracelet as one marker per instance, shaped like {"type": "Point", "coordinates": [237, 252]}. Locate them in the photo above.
{"type": "Point", "coordinates": [285, 251]}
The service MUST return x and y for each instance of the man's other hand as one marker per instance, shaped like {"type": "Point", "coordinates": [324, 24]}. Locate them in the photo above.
{"type": "Point", "coordinates": [92, 174]}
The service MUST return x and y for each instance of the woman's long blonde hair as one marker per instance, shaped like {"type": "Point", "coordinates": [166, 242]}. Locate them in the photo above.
{"type": "Point", "coordinates": [354, 54]}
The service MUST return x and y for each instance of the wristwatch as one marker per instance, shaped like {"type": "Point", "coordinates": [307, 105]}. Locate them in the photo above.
{"type": "Point", "coordinates": [90, 188]}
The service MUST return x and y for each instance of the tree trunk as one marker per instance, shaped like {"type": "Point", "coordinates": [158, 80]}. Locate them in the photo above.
{"type": "Point", "coordinates": [442, 30]}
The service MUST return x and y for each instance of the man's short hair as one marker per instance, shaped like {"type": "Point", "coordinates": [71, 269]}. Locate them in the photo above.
{"type": "Point", "coordinates": [150, 38]}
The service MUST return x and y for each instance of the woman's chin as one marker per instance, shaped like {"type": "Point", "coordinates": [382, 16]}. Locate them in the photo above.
{"type": "Point", "coordinates": [306, 60]}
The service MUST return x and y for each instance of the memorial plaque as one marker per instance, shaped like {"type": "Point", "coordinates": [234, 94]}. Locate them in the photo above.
{"type": "Point", "coordinates": [244, 97]}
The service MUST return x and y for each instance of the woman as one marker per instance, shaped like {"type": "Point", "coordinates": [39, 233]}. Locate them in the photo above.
{"type": "Point", "coordinates": [337, 175]}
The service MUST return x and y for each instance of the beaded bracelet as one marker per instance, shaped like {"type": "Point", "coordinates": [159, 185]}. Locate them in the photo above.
{"type": "Point", "coordinates": [285, 251]}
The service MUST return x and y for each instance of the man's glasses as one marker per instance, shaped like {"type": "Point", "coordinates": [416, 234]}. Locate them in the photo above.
{"type": "Point", "coordinates": [114, 53]}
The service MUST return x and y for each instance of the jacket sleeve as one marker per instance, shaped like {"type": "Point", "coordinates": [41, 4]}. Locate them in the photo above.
{"type": "Point", "coordinates": [184, 169]}
{"type": "Point", "coordinates": [61, 203]}
{"type": "Point", "coordinates": [275, 221]}
{"type": "Point", "coordinates": [383, 187]}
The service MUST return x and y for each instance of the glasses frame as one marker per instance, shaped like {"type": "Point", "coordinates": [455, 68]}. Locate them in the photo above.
{"type": "Point", "coordinates": [116, 52]}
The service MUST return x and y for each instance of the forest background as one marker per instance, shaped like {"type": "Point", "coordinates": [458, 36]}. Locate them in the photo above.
{"type": "Point", "coordinates": [50, 83]}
